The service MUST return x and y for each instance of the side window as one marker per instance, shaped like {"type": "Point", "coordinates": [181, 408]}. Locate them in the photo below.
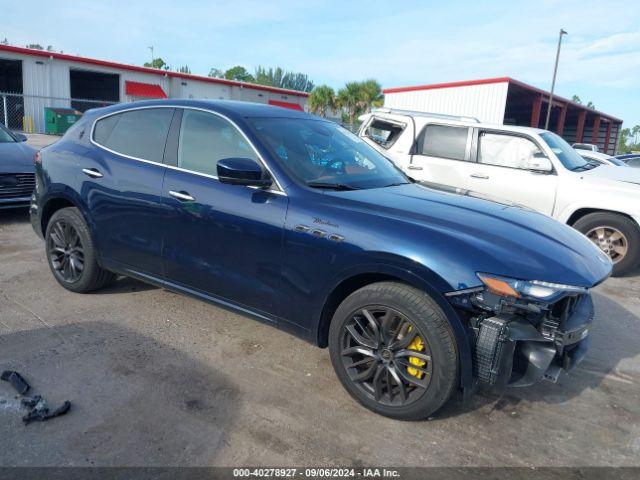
{"type": "Point", "coordinates": [634, 162]}
{"type": "Point", "coordinates": [137, 133]}
{"type": "Point", "coordinates": [506, 150]}
{"type": "Point", "coordinates": [205, 139]}
{"type": "Point", "coordinates": [383, 133]}
{"type": "Point", "coordinates": [444, 141]}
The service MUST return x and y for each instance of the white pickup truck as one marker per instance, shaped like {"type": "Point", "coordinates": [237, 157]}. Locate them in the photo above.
{"type": "Point", "coordinates": [531, 167]}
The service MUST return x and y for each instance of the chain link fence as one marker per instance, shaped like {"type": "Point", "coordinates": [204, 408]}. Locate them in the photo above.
{"type": "Point", "coordinates": [27, 113]}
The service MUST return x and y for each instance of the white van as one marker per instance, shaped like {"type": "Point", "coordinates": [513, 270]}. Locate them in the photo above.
{"type": "Point", "coordinates": [528, 166]}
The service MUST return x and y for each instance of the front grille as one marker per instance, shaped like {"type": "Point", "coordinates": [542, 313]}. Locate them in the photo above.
{"type": "Point", "coordinates": [15, 185]}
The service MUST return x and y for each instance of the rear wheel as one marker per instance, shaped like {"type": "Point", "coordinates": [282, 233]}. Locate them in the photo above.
{"type": "Point", "coordinates": [393, 350]}
{"type": "Point", "coordinates": [616, 235]}
{"type": "Point", "coordinates": [71, 253]}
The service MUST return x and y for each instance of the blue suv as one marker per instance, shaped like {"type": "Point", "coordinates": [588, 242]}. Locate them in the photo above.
{"type": "Point", "coordinates": [418, 293]}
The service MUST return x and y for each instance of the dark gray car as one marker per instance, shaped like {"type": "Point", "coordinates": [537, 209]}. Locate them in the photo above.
{"type": "Point", "coordinates": [16, 170]}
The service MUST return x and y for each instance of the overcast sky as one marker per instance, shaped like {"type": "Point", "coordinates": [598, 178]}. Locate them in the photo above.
{"type": "Point", "coordinates": [398, 43]}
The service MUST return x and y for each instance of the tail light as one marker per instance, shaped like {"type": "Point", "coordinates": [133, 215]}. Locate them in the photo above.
{"type": "Point", "coordinates": [37, 159]}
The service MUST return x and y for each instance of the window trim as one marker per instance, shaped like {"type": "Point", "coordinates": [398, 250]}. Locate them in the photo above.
{"type": "Point", "coordinates": [476, 149]}
{"type": "Point", "coordinates": [467, 151]}
{"type": "Point", "coordinates": [279, 191]}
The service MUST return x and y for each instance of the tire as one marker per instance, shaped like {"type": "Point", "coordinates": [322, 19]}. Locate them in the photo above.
{"type": "Point", "coordinates": [404, 309]}
{"type": "Point", "coordinates": [589, 225]}
{"type": "Point", "coordinates": [69, 246]}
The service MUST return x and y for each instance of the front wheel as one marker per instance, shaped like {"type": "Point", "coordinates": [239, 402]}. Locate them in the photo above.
{"type": "Point", "coordinates": [393, 349]}
{"type": "Point", "coordinates": [71, 253]}
{"type": "Point", "coordinates": [616, 235]}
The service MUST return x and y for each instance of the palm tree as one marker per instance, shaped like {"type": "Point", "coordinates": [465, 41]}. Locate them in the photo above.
{"type": "Point", "coordinates": [371, 93]}
{"type": "Point", "coordinates": [350, 99]}
{"type": "Point", "coordinates": [321, 100]}
{"type": "Point", "coordinates": [634, 131]}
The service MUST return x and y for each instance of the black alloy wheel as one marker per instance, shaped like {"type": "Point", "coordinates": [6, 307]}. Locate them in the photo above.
{"type": "Point", "coordinates": [66, 251]}
{"type": "Point", "coordinates": [385, 355]}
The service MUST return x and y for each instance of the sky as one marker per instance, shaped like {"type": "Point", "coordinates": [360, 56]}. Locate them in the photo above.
{"type": "Point", "coordinates": [398, 43]}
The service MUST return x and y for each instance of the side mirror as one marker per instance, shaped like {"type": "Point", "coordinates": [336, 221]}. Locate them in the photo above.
{"type": "Point", "coordinates": [242, 171]}
{"type": "Point", "coordinates": [20, 137]}
{"type": "Point", "coordinates": [539, 163]}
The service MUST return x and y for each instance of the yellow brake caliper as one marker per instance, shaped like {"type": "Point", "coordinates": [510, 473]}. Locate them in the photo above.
{"type": "Point", "coordinates": [418, 346]}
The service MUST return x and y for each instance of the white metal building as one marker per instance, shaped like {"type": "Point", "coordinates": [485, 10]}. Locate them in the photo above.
{"type": "Point", "coordinates": [47, 79]}
{"type": "Point", "coordinates": [511, 102]}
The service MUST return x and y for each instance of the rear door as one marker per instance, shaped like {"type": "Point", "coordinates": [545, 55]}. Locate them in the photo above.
{"type": "Point", "coordinates": [442, 155]}
{"type": "Point", "coordinates": [121, 184]}
{"type": "Point", "coordinates": [501, 170]}
{"type": "Point", "coordinates": [220, 239]}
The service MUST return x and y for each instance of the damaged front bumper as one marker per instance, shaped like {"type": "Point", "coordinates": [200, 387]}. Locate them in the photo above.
{"type": "Point", "coordinates": [519, 345]}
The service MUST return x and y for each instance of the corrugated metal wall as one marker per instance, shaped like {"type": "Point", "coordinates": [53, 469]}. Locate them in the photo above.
{"type": "Point", "coordinates": [485, 102]}
{"type": "Point", "coordinates": [48, 77]}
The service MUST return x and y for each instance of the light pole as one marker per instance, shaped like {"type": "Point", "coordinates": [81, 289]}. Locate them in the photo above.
{"type": "Point", "coordinates": [553, 82]}
{"type": "Point", "coordinates": [152, 59]}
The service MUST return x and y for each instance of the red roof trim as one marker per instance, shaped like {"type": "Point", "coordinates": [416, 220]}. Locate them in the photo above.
{"type": "Point", "coordinates": [147, 90]}
{"type": "Point", "coordinates": [447, 85]}
{"type": "Point", "coordinates": [486, 81]}
{"type": "Point", "coordinates": [292, 106]}
{"type": "Point", "coordinates": [152, 71]}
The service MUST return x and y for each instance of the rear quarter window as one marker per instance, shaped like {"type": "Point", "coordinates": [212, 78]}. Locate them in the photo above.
{"type": "Point", "coordinates": [384, 133]}
{"type": "Point", "coordinates": [137, 133]}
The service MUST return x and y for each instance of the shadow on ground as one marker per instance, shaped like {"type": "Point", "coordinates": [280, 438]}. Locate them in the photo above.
{"type": "Point", "coordinates": [14, 215]}
{"type": "Point", "coordinates": [136, 400]}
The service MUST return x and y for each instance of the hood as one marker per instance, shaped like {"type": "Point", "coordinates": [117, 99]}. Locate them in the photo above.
{"type": "Point", "coordinates": [614, 173]}
{"type": "Point", "coordinates": [458, 236]}
{"type": "Point", "coordinates": [16, 157]}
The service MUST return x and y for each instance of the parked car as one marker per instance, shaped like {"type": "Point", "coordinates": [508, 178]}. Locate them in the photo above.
{"type": "Point", "coordinates": [630, 159]}
{"type": "Point", "coordinates": [528, 166]}
{"type": "Point", "coordinates": [296, 221]}
{"type": "Point", "coordinates": [589, 147]}
{"type": "Point", "coordinates": [601, 158]}
{"type": "Point", "coordinates": [16, 169]}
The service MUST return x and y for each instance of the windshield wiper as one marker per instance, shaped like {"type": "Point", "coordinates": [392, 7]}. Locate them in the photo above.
{"type": "Point", "coordinates": [331, 186]}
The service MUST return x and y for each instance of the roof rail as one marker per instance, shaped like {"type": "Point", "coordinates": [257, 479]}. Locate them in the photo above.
{"type": "Point", "coordinates": [416, 113]}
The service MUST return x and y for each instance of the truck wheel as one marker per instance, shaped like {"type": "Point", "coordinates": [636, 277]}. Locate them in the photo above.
{"type": "Point", "coordinates": [394, 351]}
{"type": "Point", "coordinates": [71, 253]}
{"type": "Point", "coordinates": [616, 235]}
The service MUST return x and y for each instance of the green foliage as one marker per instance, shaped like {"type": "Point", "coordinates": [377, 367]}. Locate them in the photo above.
{"type": "Point", "coordinates": [239, 74]}
{"type": "Point", "coordinates": [278, 77]}
{"type": "Point", "coordinates": [576, 99]}
{"type": "Point", "coordinates": [359, 97]}
{"type": "Point", "coordinates": [157, 63]}
{"type": "Point", "coordinates": [628, 140]}
{"type": "Point", "coordinates": [216, 73]}
{"type": "Point", "coordinates": [322, 100]}
{"type": "Point", "coordinates": [35, 46]}
{"type": "Point", "coordinates": [591, 105]}
{"type": "Point", "coordinates": [184, 69]}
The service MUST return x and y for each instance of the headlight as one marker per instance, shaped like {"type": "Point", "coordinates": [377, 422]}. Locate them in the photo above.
{"type": "Point", "coordinates": [511, 287]}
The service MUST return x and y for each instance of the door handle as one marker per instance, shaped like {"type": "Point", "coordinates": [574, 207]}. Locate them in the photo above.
{"type": "Point", "coordinates": [414, 167]}
{"type": "Point", "coordinates": [182, 196]}
{"type": "Point", "coordinates": [480, 176]}
{"type": "Point", "coordinates": [92, 172]}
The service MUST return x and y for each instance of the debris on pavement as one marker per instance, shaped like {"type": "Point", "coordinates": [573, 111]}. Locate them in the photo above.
{"type": "Point", "coordinates": [39, 410]}
{"type": "Point", "coordinates": [15, 379]}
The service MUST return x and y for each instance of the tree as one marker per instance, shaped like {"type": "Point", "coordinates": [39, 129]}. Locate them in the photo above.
{"type": "Point", "coordinates": [239, 73]}
{"type": "Point", "coordinates": [5, 41]}
{"type": "Point", "coordinates": [371, 94]}
{"type": "Point", "coordinates": [576, 99]}
{"type": "Point", "coordinates": [591, 105]}
{"type": "Point", "coordinates": [321, 100]}
{"type": "Point", "coordinates": [184, 69]}
{"type": "Point", "coordinates": [216, 73]}
{"type": "Point", "coordinates": [157, 63]}
{"type": "Point", "coordinates": [350, 99]}
{"type": "Point", "coordinates": [278, 77]}
{"type": "Point", "coordinates": [35, 46]}
{"type": "Point", "coordinates": [634, 131]}
{"type": "Point", "coordinates": [622, 141]}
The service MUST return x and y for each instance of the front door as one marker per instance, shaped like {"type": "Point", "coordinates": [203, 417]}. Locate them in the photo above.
{"type": "Point", "coordinates": [219, 239]}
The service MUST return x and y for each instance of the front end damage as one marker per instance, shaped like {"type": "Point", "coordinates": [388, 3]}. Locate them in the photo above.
{"type": "Point", "coordinates": [520, 339]}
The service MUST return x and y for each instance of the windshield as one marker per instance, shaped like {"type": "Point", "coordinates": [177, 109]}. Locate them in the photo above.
{"type": "Point", "coordinates": [565, 153]}
{"type": "Point", "coordinates": [322, 154]}
{"type": "Point", "coordinates": [5, 137]}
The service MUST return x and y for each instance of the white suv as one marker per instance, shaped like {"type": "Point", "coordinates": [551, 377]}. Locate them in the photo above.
{"type": "Point", "coordinates": [528, 166]}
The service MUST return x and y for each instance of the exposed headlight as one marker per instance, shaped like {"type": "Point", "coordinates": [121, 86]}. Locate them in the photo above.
{"type": "Point", "coordinates": [511, 287]}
